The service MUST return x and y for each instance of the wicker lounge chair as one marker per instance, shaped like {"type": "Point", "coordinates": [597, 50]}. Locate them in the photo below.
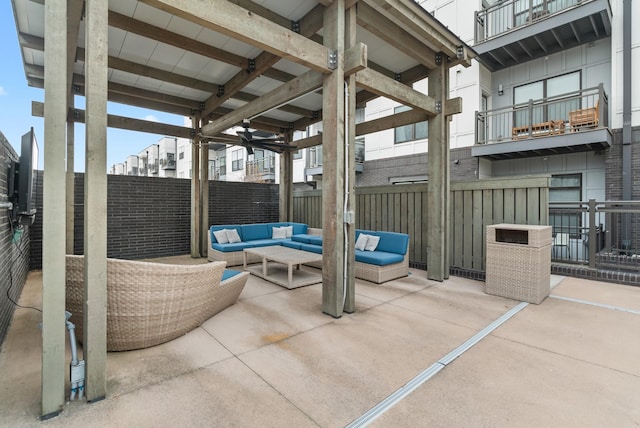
{"type": "Point", "coordinates": [152, 303]}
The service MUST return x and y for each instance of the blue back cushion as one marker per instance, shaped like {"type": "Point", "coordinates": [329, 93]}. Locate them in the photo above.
{"type": "Point", "coordinates": [299, 228]}
{"type": "Point", "coordinates": [220, 227]}
{"type": "Point", "coordinates": [252, 232]}
{"type": "Point", "coordinates": [393, 242]}
{"type": "Point", "coordinates": [228, 273]}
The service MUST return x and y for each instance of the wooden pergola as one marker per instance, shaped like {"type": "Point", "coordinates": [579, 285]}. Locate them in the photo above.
{"type": "Point", "coordinates": [285, 65]}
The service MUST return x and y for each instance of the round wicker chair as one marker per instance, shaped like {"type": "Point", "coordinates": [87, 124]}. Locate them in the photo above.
{"type": "Point", "coordinates": [152, 303]}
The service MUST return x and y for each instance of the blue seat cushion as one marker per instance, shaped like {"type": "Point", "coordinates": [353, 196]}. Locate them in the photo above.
{"type": "Point", "coordinates": [379, 258]}
{"type": "Point", "coordinates": [228, 273]}
{"type": "Point", "coordinates": [311, 248]}
{"type": "Point", "coordinates": [315, 240]}
{"type": "Point", "coordinates": [303, 237]}
{"type": "Point", "coordinates": [291, 244]}
{"type": "Point", "coordinates": [265, 242]}
{"type": "Point", "coordinates": [392, 242]}
{"type": "Point", "coordinates": [229, 248]}
{"type": "Point", "coordinates": [299, 228]}
{"type": "Point", "coordinates": [252, 232]}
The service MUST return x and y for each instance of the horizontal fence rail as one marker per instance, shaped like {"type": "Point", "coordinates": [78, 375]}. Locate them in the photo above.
{"type": "Point", "coordinates": [474, 205]}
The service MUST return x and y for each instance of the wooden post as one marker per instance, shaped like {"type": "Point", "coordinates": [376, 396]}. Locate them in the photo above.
{"type": "Point", "coordinates": [95, 202]}
{"type": "Point", "coordinates": [53, 216]}
{"type": "Point", "coordinates": [438, 170]}
{"type": "Point", "coordinates": [196, 201]}
{"type": "Point", "coordinates": [285, 189]}
{"type": "Point", "coordinates": [350, 40]}
{"type": "Point", "coordinates": [204, 192]}
{"type": "Point", "coordinates": [333, 164]}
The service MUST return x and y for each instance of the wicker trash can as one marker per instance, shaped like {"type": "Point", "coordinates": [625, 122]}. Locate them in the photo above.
{"type": "Point", "coordinates": [519, 261]}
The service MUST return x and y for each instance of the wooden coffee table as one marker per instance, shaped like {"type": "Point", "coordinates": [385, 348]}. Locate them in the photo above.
{"type": "Point", "coordinates": [276, 273]}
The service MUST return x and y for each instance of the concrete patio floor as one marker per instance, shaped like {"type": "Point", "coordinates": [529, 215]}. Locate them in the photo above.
{"type": "Point", "coordinates": [274, 359]}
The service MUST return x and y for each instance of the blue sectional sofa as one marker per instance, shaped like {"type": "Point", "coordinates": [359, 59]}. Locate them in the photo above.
{"type": "Point", "coordinates": [251, 236]}
{"type": "Point", "coordinates": [389, 260]}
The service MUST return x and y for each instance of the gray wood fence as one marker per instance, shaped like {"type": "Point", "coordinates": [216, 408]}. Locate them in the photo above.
{"type": "Point", "coordinates": [474, 205]}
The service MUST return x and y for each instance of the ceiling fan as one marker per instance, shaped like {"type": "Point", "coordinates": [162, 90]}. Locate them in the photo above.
{"type": "Point", "coordinates": [257, 140]}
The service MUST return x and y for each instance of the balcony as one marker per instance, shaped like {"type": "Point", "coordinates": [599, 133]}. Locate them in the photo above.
{"type": "Point", "coordinates": [515, 31]}
{"type": "Point", "coordinates": [573, 122]}
{"type": "Point", "coordinates": [314, 159]}
{"type": "Point", "coordinates": [262, 170]}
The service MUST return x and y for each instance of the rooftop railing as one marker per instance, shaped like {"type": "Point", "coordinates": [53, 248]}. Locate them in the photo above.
{"type": "Point", "coordinates": [602, 235]}
{"type": "Point", "coordinates": [505, 16]}
{"type": "Point", "coordinates": [552, 116]}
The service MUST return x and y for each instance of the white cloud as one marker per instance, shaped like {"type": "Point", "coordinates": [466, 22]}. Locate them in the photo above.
{"type": "Point", "coordinates": [151, 118]}
{"type": "Point", "coordinates": [3, 91]}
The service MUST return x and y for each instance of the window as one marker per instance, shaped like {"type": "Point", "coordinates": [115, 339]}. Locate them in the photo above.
{"type": "Point", "coordinates": [181, 153]}
{"type": "Point", "coordinates": [297, 154]}
{"type": "Point", "coordinates": [566, 188]}
{"type": "Point", "coordinates": [237, 160]}
{"type": "Point", "coordinates": [548, 89]}
{"type": "Point", "coordinates": [416, 131]}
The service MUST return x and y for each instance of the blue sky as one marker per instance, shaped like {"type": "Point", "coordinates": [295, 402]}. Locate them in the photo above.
{"type": "Point", "coordinates": [16, 97]}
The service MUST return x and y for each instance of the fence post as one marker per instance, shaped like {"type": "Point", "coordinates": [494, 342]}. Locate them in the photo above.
{"type": "Point", "coordinates": [592, 233]}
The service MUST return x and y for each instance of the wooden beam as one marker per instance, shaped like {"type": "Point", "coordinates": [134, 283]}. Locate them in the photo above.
{"type": "Point", "coordinates": [309, 25]}
{"type": "Point", "coordinates": [53, 216]}
{"type": "Point", "coordinates": [229, 19]}
{"type": "Point", "coordinates": [395, 35]}
{"type": "Point", "coordinates": [304, 84]}
{"type": "Point", "coordinates": [94, 345]}
{"type": "Point", "coordinates": [424, 27]}
{"type": "Point", "coordinates": [120, 122]}
{"type": "Point", "coordinates": [379, 84]}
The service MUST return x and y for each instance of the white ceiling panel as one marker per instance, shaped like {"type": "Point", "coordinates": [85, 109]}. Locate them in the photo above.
{"type": "Point", "coordinates": [286, 9]}
{"type": "Point", "coordinates": [37, 57]}
{"type": "Point", "coordinates": [383, 54]}
{"type": "Point", "coordinates": [171, 89]}
{"type": "Point", "coordinates": [152, 15]}
{"type": "Point", "coordinates": [262, 85]}
{"type": "Point", "coordinates": [137, 49]}
{"type": "Point", "coordinates": [183, 27]}
{"type": "Point", "coordinates": [241, 48]}
{"type": "Point", "coordinates": [191, 65]}
{"type": "Point", "coordinates": [291, 67]}
{"type": "Point", "coordinates": [116, 40]}
{"type": "Point", "coordinates": [124, 7]}
{"type": "Point", "coordinates": [194, 94]}
{"type": "Point", "coordinates": [128, 79]}
{"type": "Point", "coordinates": [165, 57]}
{"type": "Point", "coordinates": [32, 18]}
{"type": "Point", "coordinates": [217, 72]}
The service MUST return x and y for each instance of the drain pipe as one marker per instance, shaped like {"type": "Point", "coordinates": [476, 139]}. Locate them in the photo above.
{"type": "Point", "coordinates": [77, 367]}
{"type": "Point", "coordinates": [346, 217]}
{"type": "Point", "coordinates": [626, 115]}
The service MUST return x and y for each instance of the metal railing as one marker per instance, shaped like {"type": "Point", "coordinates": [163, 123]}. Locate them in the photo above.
{"type": "Point", "coordinates": [505, 16]}
{"type": "Point", "coordinates": [612, 227]}
{"type": "Point", "coordinates": [570, 112]}
{"type": "Point", "coordinates": [314, 155]}
{"type": "Point", "coordinates": [261, 166]}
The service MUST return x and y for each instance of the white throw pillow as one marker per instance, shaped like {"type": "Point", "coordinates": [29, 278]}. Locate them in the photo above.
{"type": "Point", "coordinates": [278, 233]}
{"type": "Point", "coordinates": [221, 236]}
{"type": "Point", "coordinates": [361, 242]}
{"type": "Point", "coordinates": [289, 231]}
{"type": "Point", "coordinates": [233, 236]}
{"type": "Point", "coordinates": [372, 243]}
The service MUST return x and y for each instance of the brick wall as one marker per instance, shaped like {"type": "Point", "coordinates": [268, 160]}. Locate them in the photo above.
{"type": "Point", "coordinates": [613, 166]}
{"type": "Point", "coordinates": [378, 172]}
{"type": "Point", "coordinates": [151, 217]}
{"type": "Point", "coordinates": [14, 256]}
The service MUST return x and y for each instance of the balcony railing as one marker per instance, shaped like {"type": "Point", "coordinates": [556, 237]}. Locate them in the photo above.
{"type": "Point", "coordinates": [265, 166]}
{"type": "Point", "coordinates": [505, 16]}
{"type": "Point", "coordinates": [553, 116]}
{"type": "Point", "coordinates": [613, 227]}
{"type": "Point", "coordinates": [314, 155]}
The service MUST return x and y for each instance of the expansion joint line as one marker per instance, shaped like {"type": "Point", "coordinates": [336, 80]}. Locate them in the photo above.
{"type": "Point", "coordinates": [427, 374]}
